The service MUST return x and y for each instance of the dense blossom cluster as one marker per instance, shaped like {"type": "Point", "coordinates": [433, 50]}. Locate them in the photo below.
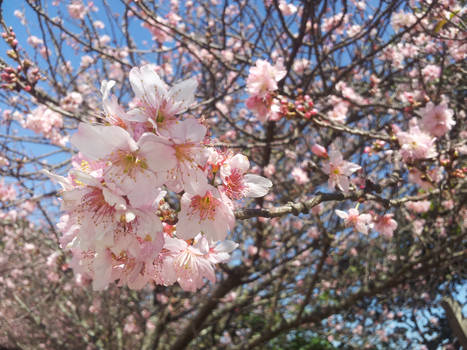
{"type": "Point", "coordinates": [261, 85]}
{"type": "Point", "coordinates": [355, 112]}
{"type": "Point", "coordinates": [112, 196]}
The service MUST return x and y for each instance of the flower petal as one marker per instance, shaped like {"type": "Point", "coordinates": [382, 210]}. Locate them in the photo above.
{"type": "Point", "coordinates": [257, 186]}
{"type": "Point", "coordinates": [98, 141]}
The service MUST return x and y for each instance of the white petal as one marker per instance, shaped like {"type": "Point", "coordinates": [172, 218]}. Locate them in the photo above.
{"type": "Point", "coordinates": [85, 178]}
{"type": "Point", "coordinates": [257, 186]}
{"type": "Point", "coordinates": [152, 81]}
{"type": "Point", "coordinates": [188, 130]}
{"type": "Point", "coordinates": [129, 216]}
{"type": "Point", "coordinates": [113, 199]}
{"type": "Point", "coordinates": [342, 214]}
{"type": "Point", "coordinates": [136, 115]}
{"type": "Point", "coordinates": [183, 94]}
{"type": "Point", "coordinates": [226, 246]}
{"type": "Point", "coordinates": [98, 141]}
{"type": "Point", "coordinates": [63, 181]}
{"type": "Point", "coordinates": [106, 86]}
{"type": "Point", "coordinates": [193, 178]}
{"type": "Point", "coordinates": [241, 162]}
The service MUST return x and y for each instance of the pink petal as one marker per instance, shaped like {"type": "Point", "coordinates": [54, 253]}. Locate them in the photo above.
{"type": "Point", "coordinates": [98, 141]}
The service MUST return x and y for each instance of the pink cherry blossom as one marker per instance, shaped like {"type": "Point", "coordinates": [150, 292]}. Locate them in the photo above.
{"type": "Point", "coordinates": [335, 23]}
{"type": "Point", "coordinates": [265, 108]}
{"type": "Point", "coordinates": [237, 184]}
{"type": "Point", "coordinates": [402, 19]}
{"type": "Point", "coordinates": [71, 101]}
{"type": "Point", "coordinates": [386, 225]}
{"type": "Point", "coordinates": [133, 256]}
{"type": "Point", "coordinates": [208, 212]}
{"type": "Point", "coordinates": [155, 100]}
{"type": "Point", "coordinates": [416, 144]}
{"type": "Point", "coordinates": [339, 171]}
{"type": "Point", "coordinates": [111, 196]}
{"type": "Point", "coordinates": [35, 42]}
{"type": "Point", "coordinates": [418, 206]}
{"type": "Point", "coordinates": [437, 120]}
{"type": "Point", "coordinates": [262, 81]}
{"type": "Point", "coordinates": [77, 9]}
{"type": "Point", "coordinates": [131, 165]}
{"type": "Point", "coordinates": [43, 120]}
{"type": "Point", "coordinates": [361, 222]}
{"type": "Point", "coordinates": [339, 111]}
{"type": "Point", "coordinates": [109, 239]}
{"type": "Point", "coordinates": [431, 72]}
{"type": "Point", "coordinates": [7, 192]}
{"type": "Point", "coordinates": [184, 155]}
{"type": "Point", "coordinates": [300, 176]}
{"type": "Point", "coordinates": [114, 113]}
{"type": "Point", "coordinates": [263, 78]}
{"type": "Point", "coordinates": [190, 264]}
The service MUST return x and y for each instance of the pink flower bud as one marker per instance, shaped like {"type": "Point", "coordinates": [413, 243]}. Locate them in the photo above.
{"type": "Point", "coordinates": [319, 150]}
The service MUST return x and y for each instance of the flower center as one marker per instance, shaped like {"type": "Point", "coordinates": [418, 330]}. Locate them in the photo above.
{"type": "Point", "coordinates": [205, 206]}
{"type": "Point", "coordinates": [234, 185]}
{"type": "Point", "coordinates": [94, 202]}
{"type": "Point", "coordinates": [129, 162]}
{"type": "Point", "coordinates": [182, 152]}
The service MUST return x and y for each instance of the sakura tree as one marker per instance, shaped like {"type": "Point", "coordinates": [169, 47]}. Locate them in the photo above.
{"type": "Point", "coordinates": [232, 174]}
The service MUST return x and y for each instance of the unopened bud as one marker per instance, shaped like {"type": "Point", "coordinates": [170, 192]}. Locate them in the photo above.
{"type": "Point", "coordinates": [12, 54]}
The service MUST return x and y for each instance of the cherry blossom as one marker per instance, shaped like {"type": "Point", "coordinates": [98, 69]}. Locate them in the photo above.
{"type": "Point", "coordinates": [263, 78]}
{"type": "Point", "coordinates": [339, 171]}
{"type": "Point", "coordinates": [237, 184]}
{"type": "Point", "coordinates": [157, 102]}
{"type": "Point", "coordinates": [131, 162]}
{"type": "Point", "coordinates": [286, 8]}
{"type": "Point", "coordinates": [7, 192]}
{"type": "Point", "coordinates": [386, 225]}
{"type": "Point", "coordinates": [43, 120]}
{"type": "Point", "coordinates": [77, 9]}
{"type": "Point", "coordinates": [184, 155]}
{"type": "Point", "coordinates": [113, 195]}
{"type": "Point", "coordinates": [361, 222]}
{"type": "Point", "coordinates": [190, 264]}
{"type": "Point", "coordinates": [300, 176]}
{"type": "Point", "coordinates": [209, 212]}
{"type": "Point", "coordinates": [261, 82]}
{"type": "Point", "coordinates": [416, 144]}
{"type": "Point", "coordinates": [159, 172]}
{"type": "Point", "coordinates": [437, 120]}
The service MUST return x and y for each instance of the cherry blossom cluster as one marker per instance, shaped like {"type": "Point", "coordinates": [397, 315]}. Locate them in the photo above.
{"type": "Point", "coordinates": [129, 168]}
{"type": "Point", "coordinates": [25, 75]}
{"type": "Point", "coordinates": [261, 85]}
{"type": "Point", "coordinates": [419, 141]}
